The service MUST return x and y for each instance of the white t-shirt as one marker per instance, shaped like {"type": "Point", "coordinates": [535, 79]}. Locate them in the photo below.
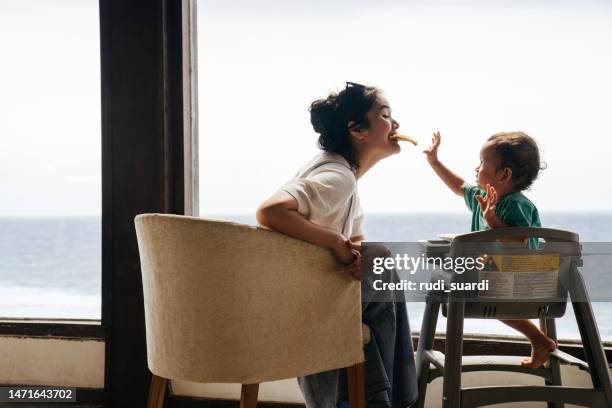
{"type": "Point", "coordinates": [326, 193]}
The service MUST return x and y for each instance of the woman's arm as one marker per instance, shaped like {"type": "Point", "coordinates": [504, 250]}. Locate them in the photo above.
{"type": "Point", "coordinates": [453, 181]}
{"type": "Point", "coordinates": [279, 213]}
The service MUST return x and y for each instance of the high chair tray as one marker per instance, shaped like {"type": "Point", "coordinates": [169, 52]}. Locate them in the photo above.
{"type": "Point", "coordinates": [435, 247]}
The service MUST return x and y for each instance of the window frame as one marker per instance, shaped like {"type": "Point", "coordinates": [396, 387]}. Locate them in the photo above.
{"type": "Point", "coordinates": [176, 183]}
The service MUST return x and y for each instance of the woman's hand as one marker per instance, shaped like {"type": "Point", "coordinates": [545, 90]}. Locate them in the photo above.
{"type": "Point", "coordinates": [354, 245]}
{"type": "Point", "coordinates": [344, 252]}
{"type": "Point", "coordinates": [353, 270]}
{"type": "Point", "coordinates": [488, 205]}
{"type": "Point", "coordinates": [348, 253]}
{"type": "Point", "coordinates": [432, 152]}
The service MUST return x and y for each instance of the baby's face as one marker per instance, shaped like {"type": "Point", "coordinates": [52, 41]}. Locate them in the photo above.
{"type": "Point", "coordinates": [488, 170]}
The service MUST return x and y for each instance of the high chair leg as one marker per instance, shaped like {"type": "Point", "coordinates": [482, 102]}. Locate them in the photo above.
{"type": "Point", "coordinates": [451, 388]}
{"type": "Point", "coordinates": [549, 328]}
{"type": "Point", "coordinates": [591, 341]}
{"type": "Point", "coordinates": [426, 341]}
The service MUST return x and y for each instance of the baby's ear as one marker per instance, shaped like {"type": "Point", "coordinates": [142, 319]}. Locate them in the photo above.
{"type": "Point", "coordinates": [507, 174]}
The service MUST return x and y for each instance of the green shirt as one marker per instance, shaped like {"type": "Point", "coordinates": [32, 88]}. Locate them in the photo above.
{"type": "Point", "coordinates": [514, 210]}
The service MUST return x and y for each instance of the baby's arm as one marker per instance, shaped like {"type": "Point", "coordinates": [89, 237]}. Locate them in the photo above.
{"type": "Point", "coordinates": [453, 181]}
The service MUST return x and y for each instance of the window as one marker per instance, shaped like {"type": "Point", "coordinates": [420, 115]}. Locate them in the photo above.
{"type": "Point", "coordinates": [468, 70]}
{"type": "Point", "coordinates": [50, 160]}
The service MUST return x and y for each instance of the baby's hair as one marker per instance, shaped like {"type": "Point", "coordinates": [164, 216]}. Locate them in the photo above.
{"type": "Point", "coordinates": [330, 117]}
{"type": "Point", "coordinates": [519, 152]}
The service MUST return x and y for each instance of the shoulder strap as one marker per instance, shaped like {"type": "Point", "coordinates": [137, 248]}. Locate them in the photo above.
{"type": "Point", "coordinates": [349, 217]}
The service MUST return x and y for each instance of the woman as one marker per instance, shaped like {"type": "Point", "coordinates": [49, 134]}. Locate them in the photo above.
{"type": "Point", "coordinates": [320, 204]}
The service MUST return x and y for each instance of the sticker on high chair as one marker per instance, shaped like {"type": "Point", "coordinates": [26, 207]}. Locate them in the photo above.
{"type": "Point", "coordinates": [520, 276]}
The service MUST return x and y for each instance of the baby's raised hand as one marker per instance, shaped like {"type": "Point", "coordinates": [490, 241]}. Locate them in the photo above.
{"type": "Point", "coordinates": [432, 152]}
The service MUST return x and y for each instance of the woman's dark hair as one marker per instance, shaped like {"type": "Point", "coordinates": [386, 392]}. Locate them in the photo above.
{"type": "Point", "coordinates": [519, 152]}
{"type": "Point", "coordinates": [330, 118]}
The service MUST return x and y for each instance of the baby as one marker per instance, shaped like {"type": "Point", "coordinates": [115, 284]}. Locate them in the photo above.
{"type": "Point", "coordinates": [509, 163]}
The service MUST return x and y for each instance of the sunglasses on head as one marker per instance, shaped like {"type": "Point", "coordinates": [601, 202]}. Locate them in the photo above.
{"type": "Point", "coordinates": [353, 84]}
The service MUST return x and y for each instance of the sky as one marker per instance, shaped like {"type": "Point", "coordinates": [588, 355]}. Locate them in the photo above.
{"type": "Point", "coordinates": [50, 161]}
{"type": "Point", "coordinates": [467, 69]}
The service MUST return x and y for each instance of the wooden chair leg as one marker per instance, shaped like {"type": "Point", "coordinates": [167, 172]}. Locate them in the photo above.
{"type": "Point", "coordinates": [355, 376]}
{"type": "Point", "coordinates": [157, 390]}
{"type": "Point", "coordinates": [248, 395]}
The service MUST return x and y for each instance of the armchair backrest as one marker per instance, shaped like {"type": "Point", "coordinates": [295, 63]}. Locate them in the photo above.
{"type": "Point", "coordinates": [233, 303]}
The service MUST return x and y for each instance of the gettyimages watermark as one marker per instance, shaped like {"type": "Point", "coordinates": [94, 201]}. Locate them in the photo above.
{"type": "Point", "coordinates": [487, 271]}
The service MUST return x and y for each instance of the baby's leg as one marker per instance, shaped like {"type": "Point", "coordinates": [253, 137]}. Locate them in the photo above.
{"type": "Point", "coordinates": [541, 345]}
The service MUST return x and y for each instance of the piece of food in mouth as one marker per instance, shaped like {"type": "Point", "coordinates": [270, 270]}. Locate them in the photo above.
{"type": "Point", "coordinates": [404, 138]}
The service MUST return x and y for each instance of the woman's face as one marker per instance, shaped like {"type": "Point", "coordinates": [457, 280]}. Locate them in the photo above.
{"type": "Point", "coordinates": [382, 125]}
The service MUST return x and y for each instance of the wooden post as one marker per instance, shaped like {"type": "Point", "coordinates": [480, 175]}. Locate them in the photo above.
{"type": "Point", "coordinates": [355, 376]}
{"type": "Point", "coordinates": [143, 170]}
{"type": "Point", "coordinates": [248, 395]}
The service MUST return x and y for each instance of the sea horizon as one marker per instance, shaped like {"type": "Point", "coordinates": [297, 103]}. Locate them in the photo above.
{"type": "Point", "coordinates": [51, 268]}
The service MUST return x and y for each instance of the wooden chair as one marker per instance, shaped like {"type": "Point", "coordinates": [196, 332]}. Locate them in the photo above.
{"type": "Point", "coordinates": [231, 303]}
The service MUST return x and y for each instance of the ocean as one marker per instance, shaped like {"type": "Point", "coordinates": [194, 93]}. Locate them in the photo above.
{"type": "Point", "coordinates": [50, 267]}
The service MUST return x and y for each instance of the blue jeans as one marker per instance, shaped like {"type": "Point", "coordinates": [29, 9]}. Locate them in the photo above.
{"type": "Point", "coordinates": [390, 374]}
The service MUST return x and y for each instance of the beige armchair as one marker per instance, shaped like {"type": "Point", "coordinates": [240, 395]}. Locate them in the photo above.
{"type": "Point", "coordinates": [231, 303]}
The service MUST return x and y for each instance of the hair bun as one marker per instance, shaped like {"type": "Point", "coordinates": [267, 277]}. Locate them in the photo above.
{"type": "Point", "coordinates": [330, 118]}
{"type": "Point", "coordinates": [323, 114]}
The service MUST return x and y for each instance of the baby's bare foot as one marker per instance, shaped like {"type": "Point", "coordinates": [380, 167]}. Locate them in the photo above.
{"type": "Point", "coordinates": [540, 352]}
